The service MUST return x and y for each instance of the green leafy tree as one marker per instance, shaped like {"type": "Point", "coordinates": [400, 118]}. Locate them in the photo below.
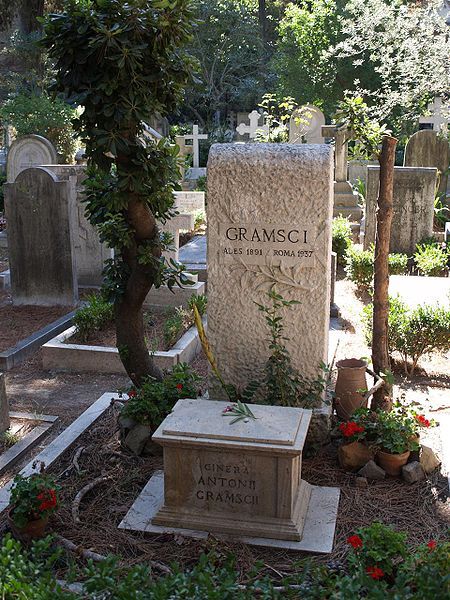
{"type": "Point", "coordinates": [124, 61]}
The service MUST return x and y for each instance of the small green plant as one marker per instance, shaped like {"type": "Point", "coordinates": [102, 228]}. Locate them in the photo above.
{"type": "Point", "coordinates": [200, 301]}
{"type": "Point", "coordinates": [395, 431]}
{"type": "Point", "coordinates": [239, 411]}
{"type": "Point", "coordinates": [441, 211]}
{"type": "Point", "coordinates": [431, 258]}
{"type": "Point", "coordinates": [95, 316]}
{"type": "Point", "coordinates": [9, 438]}
{"type": "Point", "coordinates": [360, 264]}
{"type": "Point", "coordinates": [34, 497]}
{"type": "Point", "coordinates": [413, 332]}
{"type": "Point", "coordinates": [152, 402]}
{"type": "Point", "coordinates": [341, 237]}
{"type": "Point", "coordinates": [174, 324]}
{"type": "Point", "coordinates": [200, 219]}
{"type": "Point", "coordinates": [201, 184]}
{"type": "Point", "coordinates": [360, 189]}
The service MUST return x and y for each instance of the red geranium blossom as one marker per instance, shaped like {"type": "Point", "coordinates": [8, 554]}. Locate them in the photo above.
{"type": "Point", "coordinates": [179, 386]}
{"type": "Point", "coordinates": [432, 544]}
{"type": "Point", "coordinates": [350, 428]}
{"type": "Point", "coordinates": [49, 500]}
{"type": "Point", "coordinates": [132, 394]}
{"type": "Point", "coordinates": [375, 572]}
{"type": "Point", "coordinates": [355, 541]}
{"type": "Point", "coordinates": [228, 409]}
{"type": "Point", "coordinates": [423, 421]}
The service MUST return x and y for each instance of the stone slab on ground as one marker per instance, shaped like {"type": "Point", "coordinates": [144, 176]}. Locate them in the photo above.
{"type": "Point", "coordinates": [193, 256]}
{"type": "Point", "coordinates": [318, 532]}
{"type": "Point", "coordinates": [416, 290]}
{"type": "Point", "coordinates": [60, 444]}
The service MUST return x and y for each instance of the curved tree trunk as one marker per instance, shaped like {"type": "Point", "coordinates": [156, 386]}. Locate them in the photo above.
{"type": "Point", "coordinates": [29, 11]}
{"type": "Point", "coordinates": [380, 351]}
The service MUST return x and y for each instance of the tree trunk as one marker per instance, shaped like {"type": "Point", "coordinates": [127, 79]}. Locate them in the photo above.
{"type": "Point", "coordinates": [29, 11]}
{"type": "Point", "coordinates": [262, 17]}
{"type": "Point", "coordinates": [380, 352]}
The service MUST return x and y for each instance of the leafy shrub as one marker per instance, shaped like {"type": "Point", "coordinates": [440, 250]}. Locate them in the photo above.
{"type": "Point", "coordinates": [431, 258]}
{"type": "Point", "coordinates": [200, 302]}
{"type": "Point", "coordinates": [152, 402]}
{"type": "Point", "coordinates": [342, 237]}
{"type": "Point", "coordinates": [95, 316]}
{"type": "Point", "coordinates": [413, 332]}
{"type": "Point", "coordinates": [380, 546]}
{"type": "Point", "coordinates": [360, 264]}
{"type": "Point", "coordinates": [42, 115]}
{"type": "Point", "coordinates": [33, 497]}
{"type": "Point", "coordinates": [177, 321]}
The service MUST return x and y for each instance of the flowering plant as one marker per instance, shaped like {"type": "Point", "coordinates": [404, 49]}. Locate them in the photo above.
{"type": "Point", "coordinates": [351, 431]}
{"type": "Point", "coordinates": [32, 498]}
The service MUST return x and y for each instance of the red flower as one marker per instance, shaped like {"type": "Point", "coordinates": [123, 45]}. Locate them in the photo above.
{"type": "Point", "coordinates": [350, 428]}
{"type": "Point", "coordinates": [355, 541]}
{"type": "Point", "coordinates": [132, 394]}
{"type": "Point", "coordinates": [432, 544]}
{"type": "Point", "coordinates": [423, 421]}
{"type": "Point", "coordinates": [228, 409]}
{"type": "Point", "coordinates": [179, 386]}
{"type": "Point", "coordinates": [49, 500]}
{"type": "Point", "coordinates": [375, 572]}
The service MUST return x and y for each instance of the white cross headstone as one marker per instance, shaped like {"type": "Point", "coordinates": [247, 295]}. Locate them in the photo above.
{"type": "Point", "coordinates": [439, 118]}
{"type": "Point", "coordinates": [251, 129]}
{"type": "Point", "coordinates": [195, 137]}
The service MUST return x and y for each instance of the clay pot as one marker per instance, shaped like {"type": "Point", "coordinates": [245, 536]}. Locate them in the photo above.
{"type": "Point", "coordinates": [351, 377]}
{"type": "Point", "coordinates": [33, 530]}
{"type": "Point", "coordinates": [392, 463]}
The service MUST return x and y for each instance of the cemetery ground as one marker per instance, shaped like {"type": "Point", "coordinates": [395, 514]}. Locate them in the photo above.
{"type": "Point", "coordinates": [420, 509]}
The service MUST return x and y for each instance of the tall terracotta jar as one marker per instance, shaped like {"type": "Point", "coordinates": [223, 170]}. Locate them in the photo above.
{"type": "Point", "coordinates": [351, 377]}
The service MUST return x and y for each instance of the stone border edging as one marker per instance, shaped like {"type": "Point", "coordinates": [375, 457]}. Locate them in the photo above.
{"type": "Point", "coordinates": [16, 355]}
{"type": "Point", "coordinates": [60, 444]}
{"type": "Point", "coordinates": [59, 356]}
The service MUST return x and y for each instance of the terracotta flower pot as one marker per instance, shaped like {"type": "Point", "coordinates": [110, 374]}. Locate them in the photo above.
{"type": "Point", "coordinates": [351, 377]}
{"type": "Point", "coordinates": [392, 463]}
{"type": "Point", "coordinates": [33, 530]}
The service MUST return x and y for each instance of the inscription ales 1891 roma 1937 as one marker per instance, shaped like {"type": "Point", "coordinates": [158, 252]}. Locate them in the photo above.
{"type": "Point", "coordinates": [267, 244]}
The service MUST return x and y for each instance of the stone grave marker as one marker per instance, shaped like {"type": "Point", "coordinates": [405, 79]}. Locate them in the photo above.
{"type": "Point", "coordinates": [254, 125]}
{"type": "Point", "coordinates": [29, 151]}
{"type": "Point", "coordinates": [306, 123]}
{"type": "Point", "coordinates": [242, 480]}
{"type": "Point", "coordinates": [439, 118]}
{"type": "Point", "coordinates": [345, 199]}
{"type": "Point", "coordinates": [414, 189]}
{"type": "Point", "coordinates": [195, 137]}
{"type": "Point", "coordinates": [39, 211]}
{"type": "Point", "coordinates": [269, 227]}
{"type": "Point", "coordinates": [4, 406]}
{"type": "Point", "coordinates": [426, 148]}
{"type": "Point", "coordinates": [190, 202]}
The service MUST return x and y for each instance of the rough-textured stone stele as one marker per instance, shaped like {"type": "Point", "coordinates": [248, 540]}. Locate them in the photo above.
{"type": "Point", "coordinates": [429, 460]}
{"type": "Point", "coordinates": [372, 471]}
{"type": "Point", "coordinates": [39, 212]}
{"type": "Point", "coordinates": [4, 407]}
{"type": "Point", "coordinates": [269, 227]}
{"type": "Point", "coordinates": [353, 456]}
{"type": "Point", "coordinates": [414, 190]}
{"type": "Point", "coordinates": [428, 149]}
{"type": "Point", "coordinates": [412, 472]}
{"type": "Point", "coordinates": [240, 478]}
{"type": "Point", "coordinates": [29, 151]}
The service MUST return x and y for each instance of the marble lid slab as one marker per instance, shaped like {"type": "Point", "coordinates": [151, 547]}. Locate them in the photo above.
{"type": "Point", "coordinates": [196, 418]}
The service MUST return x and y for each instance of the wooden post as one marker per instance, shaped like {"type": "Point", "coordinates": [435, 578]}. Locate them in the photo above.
{"type": "Point", "coordinates": [380, 352]}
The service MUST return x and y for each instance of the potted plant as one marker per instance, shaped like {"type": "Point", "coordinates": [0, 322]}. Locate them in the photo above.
{"type": "Point", "coordinates": [396, 437]}
{"type": "Point", "coordinates": [33, 500]}
{"type": "Point", "coordinates": [357, 436]}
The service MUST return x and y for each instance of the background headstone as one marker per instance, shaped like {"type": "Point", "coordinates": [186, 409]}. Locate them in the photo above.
{"type": "Point", "coordinates": [190, 202]}
{"type": "Point", "coordinates": [414, 189]}
{"type": "Point", "coordinates": [39, 211]}
{"type": "Point", "coordinates": [427, 149]}
{"type": "Point", "coordinates": [279, 191]}
{"type": "Point", "coordinates": [310, 126]}
{"type": "Point", "coordinates": [439, 117]}
{"type": "Point", "coordinates": [255, 124]}
{"type": "Point", "coordinates": [4, 407]}
{"type": "Point", "coordinates": [29, 151]}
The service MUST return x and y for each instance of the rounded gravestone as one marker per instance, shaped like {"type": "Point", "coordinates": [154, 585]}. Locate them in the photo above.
{"type": "Point", "coordinates": [427, 149]}
{"type": "Point", "coordinates": [306, 122]}
{"type": "Point", "coordinates": [29, 151]}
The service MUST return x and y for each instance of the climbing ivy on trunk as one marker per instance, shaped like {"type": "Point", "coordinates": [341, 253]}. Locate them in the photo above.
{"type": "Point", "coordinates": [124, 61]}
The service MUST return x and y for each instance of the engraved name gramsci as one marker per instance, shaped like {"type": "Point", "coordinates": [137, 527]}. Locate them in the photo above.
{"type": "Point", "coordinates": [227, 484]}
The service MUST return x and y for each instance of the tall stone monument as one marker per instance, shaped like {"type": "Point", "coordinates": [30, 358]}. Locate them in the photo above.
{"type": "Point", "coordinates": [414, 189]}
{"type": "Point", "coordinates": [41, 232]}
{"type": "Point", "coordinates": [426, 148]}
{"type": "Point", "coordinates": [269, 227]}
{"type": "Point", "coordinates": [29, 151]}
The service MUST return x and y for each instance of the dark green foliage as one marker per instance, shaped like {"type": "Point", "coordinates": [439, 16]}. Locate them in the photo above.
{"type": "Point", "coordinates": [177, 320]}
{"type": "Point", "coordinates": [431, 258]}
{"type": "Point", "coordinates": [359, 266]}
{"type": "Point", "coordinates": [31, 499]}
{"type": "Point", "coordinates": [97, 315]}
{"type": "Point", "coordinates": [381, 546]}
{"type": "Point", "coordinates": [153, 401]}
{"type": "Point", "coordinates": [285, 386]}
{"type": "Point", "coordinates": [413, 332]}
{"type": "Point", "coordinates": [341, 236]}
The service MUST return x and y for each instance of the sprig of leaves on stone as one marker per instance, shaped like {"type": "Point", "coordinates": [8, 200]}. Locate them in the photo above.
{"type": "Point", "coordinates": [240, 412]}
